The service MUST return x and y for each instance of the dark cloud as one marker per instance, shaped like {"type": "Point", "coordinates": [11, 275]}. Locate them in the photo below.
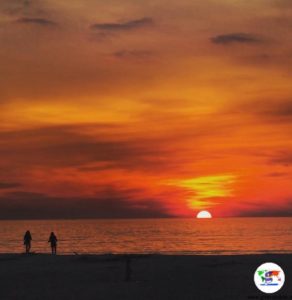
{"type": "Point", "coordinates": [97, 167]}
{"type": "Point", "coordinates": [37, 12]}
{"type": "Point", "coordinates": [269, 110]}
{"type": "Point", "coordinates": [9, 185]}
{"type": "Point", "coordinates": [14, 7]}
{"type": "Point", "coordinates": [283, 158]}
{"type": "Point", "coordinates": [133, 54]}
{"type": "Point", "coordinates": [266, 209]}
{"type": "Point", "coordinates": [277, 174]}
{"type": "Point", "coordinates": [67, 146]}
{"type": "Point", "coordinates": [272, 212]}
{"type": "Point", "coordinates": [108, 204]}
{"type": "Point", "coordinates": [280, 109]}
{"type": "Point", "coordinates": [25, 195]}
{"type": "Point", "coordinates": [233, 38]}
{"type": "Point", "coordinates": [133, 24]}
{"type": "Point", "coordinates": [37, 21]}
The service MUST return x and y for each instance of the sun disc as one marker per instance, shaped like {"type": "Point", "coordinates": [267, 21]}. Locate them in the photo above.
{"type": "Point", "coordinates": [204, 215]}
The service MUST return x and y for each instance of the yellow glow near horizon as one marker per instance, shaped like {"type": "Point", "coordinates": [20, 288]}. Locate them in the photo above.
{"type": "Point", "coordinates": [206, 188]}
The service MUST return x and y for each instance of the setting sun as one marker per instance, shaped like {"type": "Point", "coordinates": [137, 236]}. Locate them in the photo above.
{"type": "Point", "coordinates": [204, 215]}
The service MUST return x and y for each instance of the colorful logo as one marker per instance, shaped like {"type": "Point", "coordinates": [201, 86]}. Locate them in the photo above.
{"type": "Point", "coordinates": [269, 278]}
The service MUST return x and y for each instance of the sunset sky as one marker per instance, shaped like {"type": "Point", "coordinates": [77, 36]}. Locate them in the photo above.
{"type": "Point", "coordinates": [145, 108]}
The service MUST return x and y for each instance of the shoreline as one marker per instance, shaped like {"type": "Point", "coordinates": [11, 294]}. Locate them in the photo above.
{"type": "Point", "coordinates": [136, 276]}
{"type": "Point", "coordinates": [185, 253]}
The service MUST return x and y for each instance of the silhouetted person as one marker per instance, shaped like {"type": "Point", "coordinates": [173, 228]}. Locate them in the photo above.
{"type": "Point", "coordinates": [53, 240]}
{"type": "Point", "coordinates": [27, 241]}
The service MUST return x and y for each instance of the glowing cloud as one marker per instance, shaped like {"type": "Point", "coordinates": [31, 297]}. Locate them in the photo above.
{"type": "Point", "coordinates": [205, 189]}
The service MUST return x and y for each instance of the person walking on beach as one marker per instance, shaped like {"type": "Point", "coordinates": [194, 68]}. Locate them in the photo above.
{"type": "Point", "coordinates": [53, 240]}
{"type": "Point", "coordinates": [27, 241]}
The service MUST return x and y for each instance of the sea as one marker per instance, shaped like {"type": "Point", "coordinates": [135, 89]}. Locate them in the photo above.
{"type": "Point", "coordinates": [216, 236]}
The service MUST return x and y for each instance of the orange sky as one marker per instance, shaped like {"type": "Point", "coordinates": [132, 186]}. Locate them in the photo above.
{"type": "Point", "coordinates": [145, 108]}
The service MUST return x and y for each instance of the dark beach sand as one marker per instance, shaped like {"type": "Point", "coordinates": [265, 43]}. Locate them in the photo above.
{"type": "Point", "coordinates": [41, 276]}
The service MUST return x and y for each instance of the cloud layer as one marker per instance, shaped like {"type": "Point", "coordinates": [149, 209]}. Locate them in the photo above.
{"type": "Point", "coordinates": [109, 204]}
{"type": "Point", "coordinates": [234, 38]}
{"type": "Point", "coordinates": [9, 185]}
{"type": "Point", "coordinates": [124, 26]}
{"type": "Point", "coordinates": [37, 21]}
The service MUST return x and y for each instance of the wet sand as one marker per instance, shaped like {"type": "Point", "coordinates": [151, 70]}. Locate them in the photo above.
{"type": "Point", "coordinates": [42, 276]}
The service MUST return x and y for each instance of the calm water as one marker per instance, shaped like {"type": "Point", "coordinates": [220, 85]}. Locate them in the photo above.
{"type": "Point", "coordinates": [181, 236]}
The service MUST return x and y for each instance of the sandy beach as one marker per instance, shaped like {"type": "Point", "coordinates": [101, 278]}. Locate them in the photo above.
{"type": "Point", "coordinates": [42, 276]}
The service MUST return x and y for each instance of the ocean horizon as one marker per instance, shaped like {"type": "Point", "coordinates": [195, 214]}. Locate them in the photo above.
{"type": "Point", "coordinates": [217, 236]}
